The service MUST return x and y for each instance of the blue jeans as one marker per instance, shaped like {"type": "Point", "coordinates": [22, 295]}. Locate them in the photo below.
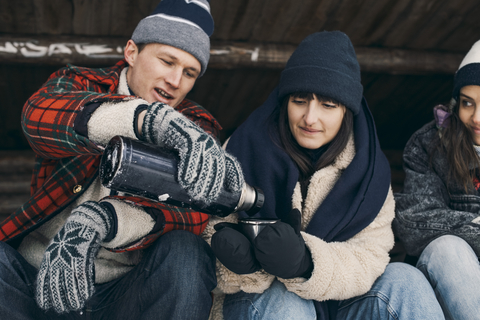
{"type": "Point", "coordinates": [402, 292]}
{"type": "Point", "coordinates": [174, 280]}
{"type": "Point", "coordinates": [452, 268]}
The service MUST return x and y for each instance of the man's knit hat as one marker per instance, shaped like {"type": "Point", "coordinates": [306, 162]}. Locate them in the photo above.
{"type": "Point", "coordinates": [183, 24]}
{"type": "Point", "coordinates": [469, 71]}
{"type": "Point", "coordinates": [324, 63]}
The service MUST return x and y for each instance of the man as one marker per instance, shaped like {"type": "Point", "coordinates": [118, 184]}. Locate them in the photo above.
{"type": "Point", "coordinates": [77, 249]}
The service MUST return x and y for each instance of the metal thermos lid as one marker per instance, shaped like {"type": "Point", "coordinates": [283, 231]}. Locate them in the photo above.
{"type": "Point", "coordinates": [258, 203]}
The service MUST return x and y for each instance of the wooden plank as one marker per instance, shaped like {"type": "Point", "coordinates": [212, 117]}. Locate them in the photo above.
{"type": "Point", "coordinates": [101, 18]}
{"type": "Point", "coordinates": [48, 50]}
{"type": "Point", "coordinates": [341, 14]}
{"type": "Point", "coordinates": [466, 33]}
{"type": "Point", "coordinates": [247, 18]}
{"type": "Point", "coordinates": [60, 50]}
{"type": "Point", "coordinates": [247, 89]}
{"type": "Point", "coordinates": [410, 23]}
{"type": "Point", "coordinates": [16, 16]}
{"type": "Point", "coordinates": [276, 18]}
{"type": "Point", "coordinates": [416, 24]}
{"type": "Point", "coordinates": [239, 55]}
{"type": "Point", "coordinates": [52, 16]}
{"type": "Point", "coordinates": [81, 17]}
{"type": "Point", "coordinates": [10, 203]}
{"type": "Point", "coordinates": [368, 16]}
{"type": "Point", "coordinates": [15, 174]}
{"type": "Point", "coordinates": [15, 185]}
{"type": "Point", "coordinates": [312, 17]}
{"type": "Point", "coordinates": [232, 95]}
{"type": "Point", "coordinates": [442, 24]}
{"type": "Point", "coordinates": [396, 61]}
{"type": "Point", "coordinates": [226, 16]}
{"type": "Point", "coordinates": [17, 83]}
{"type": "Point", "coordinates": [16, 162]}
{"type": "Point", "coordinates": [385, 22]}
{"type": "Point", "coordinates": [109, 17]}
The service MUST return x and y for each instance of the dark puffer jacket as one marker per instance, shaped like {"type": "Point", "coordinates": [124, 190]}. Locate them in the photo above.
{"type": "Point", "coordinates": [429, 205]}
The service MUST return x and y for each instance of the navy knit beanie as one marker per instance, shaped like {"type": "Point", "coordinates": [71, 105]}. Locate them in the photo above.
{"type": "Point", "coordinates": [324, 63]}
{"type": "Point", "coordinates": [469, 71]}
{"type": "Point", "coordinates": [183, 24]}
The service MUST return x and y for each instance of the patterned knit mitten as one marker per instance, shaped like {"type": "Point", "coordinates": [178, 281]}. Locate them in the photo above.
{"type": "Point", "coordinates": [66, 276]}
{"type": "Point", "coordinates": [203, 167]}
{"type": "Point", "coordinates": [234, 180]}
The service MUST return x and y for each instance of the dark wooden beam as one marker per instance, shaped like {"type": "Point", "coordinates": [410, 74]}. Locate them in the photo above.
{"type": "Point", "coordinates": [15, 177]}
{"type": "Point", "coordinates": [92, 51]}
{"type": "Point", "coordinates": [397, 61]}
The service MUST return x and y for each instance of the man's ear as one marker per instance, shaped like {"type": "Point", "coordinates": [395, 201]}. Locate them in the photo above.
{"type": "Point", "coordinates": [131, 52]}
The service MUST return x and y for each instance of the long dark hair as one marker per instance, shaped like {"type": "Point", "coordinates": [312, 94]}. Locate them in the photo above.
{"type": "Point", "coordinates": [456, 143]}
{"type": "Point", "coordinates": [296, 152]}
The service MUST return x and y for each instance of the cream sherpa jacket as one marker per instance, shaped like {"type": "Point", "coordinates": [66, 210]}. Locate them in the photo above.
{"type": "Point", "coordinates": [342, 270]}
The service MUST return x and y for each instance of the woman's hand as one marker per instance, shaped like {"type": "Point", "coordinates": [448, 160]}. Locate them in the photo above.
{"type": "Point", "coordinates": [281, 250]}
{"type": "Point", "coordinates": [233, 249]}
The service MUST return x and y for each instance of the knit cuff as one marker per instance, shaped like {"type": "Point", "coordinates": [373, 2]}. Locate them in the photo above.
{"type": "Point", "coordinates": [133, 223]}
{"type": "Point", "coordinates": [114, 226]}
{"type": "Point", "coordinates": [140, 108]}
{"type": "Point", "coordinates": [81, 120]}
{"type": "Point", "coordinates": [154, 124]}
{"type": "Point", "coordinates": [93, 215]}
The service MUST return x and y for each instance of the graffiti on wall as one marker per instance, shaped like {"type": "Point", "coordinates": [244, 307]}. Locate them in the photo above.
{"type": "Point", "coordinates": [30, 49]}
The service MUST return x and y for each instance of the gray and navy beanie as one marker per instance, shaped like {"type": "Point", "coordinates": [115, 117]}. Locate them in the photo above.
{"type": "Point", "coordinates": [469, 71]}
{"type": "Point", "coordinates": [324, 63]}
{"type": "Point", "coordinates": [183, 24]}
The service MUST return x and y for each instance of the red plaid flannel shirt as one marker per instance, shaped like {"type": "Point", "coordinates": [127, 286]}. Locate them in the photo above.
{"type": "Point", "coordinates": [65, 159]}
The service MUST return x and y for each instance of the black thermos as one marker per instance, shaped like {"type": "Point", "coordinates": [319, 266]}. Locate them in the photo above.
{"type": "Point", "coordinates": [142, 169]}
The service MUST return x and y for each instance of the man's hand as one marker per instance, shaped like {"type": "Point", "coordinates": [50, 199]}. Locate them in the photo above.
{"type": "Point", "coordinates": [204, 167]}
{"type": "Point", "coordinates": [65, 280]}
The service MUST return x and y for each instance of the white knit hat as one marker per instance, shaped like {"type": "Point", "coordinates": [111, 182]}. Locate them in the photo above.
{"type": "Point", "coordinates": [469, 71]}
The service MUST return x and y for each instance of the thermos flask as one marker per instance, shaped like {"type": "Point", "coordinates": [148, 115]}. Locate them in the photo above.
{"type": "Point", "coordinates": [149, 171]}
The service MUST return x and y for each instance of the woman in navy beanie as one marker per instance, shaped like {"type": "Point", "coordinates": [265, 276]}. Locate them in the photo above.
{"type": "Point", "coordinates": [313, 150]}
{"type": "Point", "coordinates": [438, 211]}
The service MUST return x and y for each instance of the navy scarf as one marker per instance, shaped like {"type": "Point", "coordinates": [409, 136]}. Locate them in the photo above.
{"type": "Point", "coordinates": [354, 201]}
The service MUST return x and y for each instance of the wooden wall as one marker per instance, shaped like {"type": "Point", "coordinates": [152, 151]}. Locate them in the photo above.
{"type": "Point", "coordinates": [408, 49]}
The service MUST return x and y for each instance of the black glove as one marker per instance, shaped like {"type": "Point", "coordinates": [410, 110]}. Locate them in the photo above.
{"type": "Point", "coordinates": [281, 250]}
{"type": "Point", "coordinates": [66, 276]}
{"type": "Point", "coordinates": [204, 167]}
{"type": "Point", "coordinates": [233, 249]}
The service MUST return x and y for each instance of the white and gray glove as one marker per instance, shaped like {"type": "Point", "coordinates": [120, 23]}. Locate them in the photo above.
{"type": "Point", "coordinates": [204, 167]}
{"type": "Point", "coordinates": [65, 280]}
